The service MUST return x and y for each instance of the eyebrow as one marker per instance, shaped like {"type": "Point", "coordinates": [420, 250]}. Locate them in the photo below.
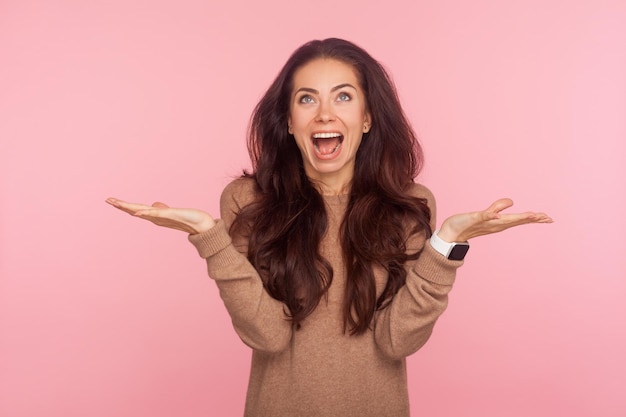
{"type": "Point", "coordinates": [335, 88]}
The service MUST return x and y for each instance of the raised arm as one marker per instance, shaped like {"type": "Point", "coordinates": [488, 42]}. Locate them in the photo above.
{"type": "Point", "coordinates": [407, 323]}
{"type": "Point", "coordinates": [258, 319]}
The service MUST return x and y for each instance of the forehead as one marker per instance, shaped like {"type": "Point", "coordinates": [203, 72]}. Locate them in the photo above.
{"type": "Point", "coordinates": [325, 72]}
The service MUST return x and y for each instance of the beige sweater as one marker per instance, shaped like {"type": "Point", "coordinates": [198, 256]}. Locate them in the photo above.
{"type": "Point", "coordinates": [318, 370]}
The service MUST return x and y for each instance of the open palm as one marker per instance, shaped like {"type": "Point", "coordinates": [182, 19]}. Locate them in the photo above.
{"type": "Point", "coordinates": [462, 227]}
{"type": "Point", "coordinates": [188, 220]}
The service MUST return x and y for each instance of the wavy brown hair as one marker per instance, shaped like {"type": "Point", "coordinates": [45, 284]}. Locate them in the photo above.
{"type": "Point", "coordinates": [287, 221]}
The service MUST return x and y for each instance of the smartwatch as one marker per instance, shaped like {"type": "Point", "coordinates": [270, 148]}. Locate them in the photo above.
{"type": "Point", "coordinates": [454, 251]}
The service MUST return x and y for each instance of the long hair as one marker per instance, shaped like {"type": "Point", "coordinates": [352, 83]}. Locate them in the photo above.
{"type": "Point", "coordinates": [287, 221]}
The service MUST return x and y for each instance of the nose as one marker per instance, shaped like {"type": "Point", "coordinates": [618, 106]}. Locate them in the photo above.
{"type": "Point", "coordinates": [325, 113]}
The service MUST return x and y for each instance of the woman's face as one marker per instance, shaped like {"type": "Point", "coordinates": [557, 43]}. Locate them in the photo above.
{"type": "Point", "coordinates": [328, 116]}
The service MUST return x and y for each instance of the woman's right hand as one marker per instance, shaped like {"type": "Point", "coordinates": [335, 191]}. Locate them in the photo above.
{"type": "Point", "coordinates": [187, 220]}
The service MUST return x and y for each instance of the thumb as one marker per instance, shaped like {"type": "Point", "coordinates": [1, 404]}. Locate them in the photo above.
{"type": "Point", "coordinates": [500, 205]}
{"type": "Point", "coordinates": [158, 204]}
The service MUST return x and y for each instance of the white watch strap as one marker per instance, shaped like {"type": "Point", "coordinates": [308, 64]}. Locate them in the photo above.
{"type": "Point", "coordinates": [441, 245]}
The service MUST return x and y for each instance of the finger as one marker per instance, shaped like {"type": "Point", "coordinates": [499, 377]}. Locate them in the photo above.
{"type": "Point", "coordinates": [486, 216]}
{"type": "Point", "coordinates": [113, 201]}
{"type": "Point", "coordinates": [158, 204]}
{"type": "Point", "coordinates": [151, 212]}
{"type": "Point", "coordinates": [158, 213]}
{"type": "Point", "coordinates": [542, 218]}
{"type": "Point", "coordinates": [166, 218]}
{"type": "Point", "coordinates": [512, 220]}
{"type": "Point", "coordinates": [536, 217]}
{"type": "Point", "coordinates": [125, 206]}
{"type": "Point", "coordinates": [499, 205]}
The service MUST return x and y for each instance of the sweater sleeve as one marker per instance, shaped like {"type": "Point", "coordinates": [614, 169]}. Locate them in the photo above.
{"type": "Point", "coordinates": [407, 322]}
{"type": "Point", "coordinates": [258, 319]}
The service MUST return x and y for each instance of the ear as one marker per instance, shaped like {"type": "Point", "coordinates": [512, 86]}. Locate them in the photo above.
{"type": "Point", "coordinates": [367, 122]}
{"type": "Point", "coordinates": [289, 127]}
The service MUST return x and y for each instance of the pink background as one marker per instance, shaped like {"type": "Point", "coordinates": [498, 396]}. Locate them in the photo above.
{"type": "Point", "coordinates": [104, 315]}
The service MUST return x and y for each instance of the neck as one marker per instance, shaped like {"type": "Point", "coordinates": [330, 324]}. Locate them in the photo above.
{"type": "Point", "coordinates": [332, 183]}
{"type": "Point", "coordinates": [325, 187]}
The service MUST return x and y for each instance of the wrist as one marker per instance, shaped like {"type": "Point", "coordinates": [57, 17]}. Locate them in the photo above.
{"type": "Point", "coordinates": [205, 226]}
{"type": "Point", "coordinates": [448, 235]}
{"type": "Point", "coordinates": [450, 249]}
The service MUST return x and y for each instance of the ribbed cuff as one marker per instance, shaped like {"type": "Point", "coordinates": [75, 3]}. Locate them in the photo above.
{"type": "Point", "coordinates": [434, 267]}
{"type": "Point", "coordinates": [212, 241]}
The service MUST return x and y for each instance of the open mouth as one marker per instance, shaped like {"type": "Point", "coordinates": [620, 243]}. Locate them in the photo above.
{"type": "Point", "coordinates": [327, 144]}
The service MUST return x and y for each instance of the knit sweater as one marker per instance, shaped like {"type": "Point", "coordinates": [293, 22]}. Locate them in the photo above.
{"type": "Point", "coordinates": [318, 370]}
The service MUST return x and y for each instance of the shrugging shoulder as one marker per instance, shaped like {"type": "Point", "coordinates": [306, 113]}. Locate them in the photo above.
{"type": "Point", "coordinates": [421, 191]}
{"type": "Point", "coordinates": [399, 329]}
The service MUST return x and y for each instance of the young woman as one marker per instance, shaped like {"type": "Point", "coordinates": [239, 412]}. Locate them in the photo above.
{"type": "Point", "coordinates": [325, 255]}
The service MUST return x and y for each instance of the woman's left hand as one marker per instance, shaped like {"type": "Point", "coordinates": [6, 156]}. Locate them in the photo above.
{"type": "Point", "coordinates": [463, 227]}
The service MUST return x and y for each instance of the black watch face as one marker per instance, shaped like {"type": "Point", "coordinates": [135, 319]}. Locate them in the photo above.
{"type": "Point", "coordinates": [458, 252]}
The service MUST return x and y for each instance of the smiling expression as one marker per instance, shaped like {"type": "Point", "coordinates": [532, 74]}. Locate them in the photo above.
{"type": "Point", "coordinates": [328, 116]}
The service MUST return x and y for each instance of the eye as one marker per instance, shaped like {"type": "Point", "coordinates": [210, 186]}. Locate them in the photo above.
{"type": "Point", "coordinates": [306, 99]}
{"type": "Point", "coordinates": [344, 97]}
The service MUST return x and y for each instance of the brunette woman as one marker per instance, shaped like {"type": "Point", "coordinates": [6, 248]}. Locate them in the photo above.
{"type": "Point", "coordinates": [325, 254]}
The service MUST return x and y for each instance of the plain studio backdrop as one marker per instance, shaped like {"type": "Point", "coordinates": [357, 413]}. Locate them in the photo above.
{"type": "Point", "coordinates": [103, 315]}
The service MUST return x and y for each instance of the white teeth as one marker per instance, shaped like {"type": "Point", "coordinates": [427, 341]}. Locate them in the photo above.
{"type": "Point", "coordinates": [326, 135]}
